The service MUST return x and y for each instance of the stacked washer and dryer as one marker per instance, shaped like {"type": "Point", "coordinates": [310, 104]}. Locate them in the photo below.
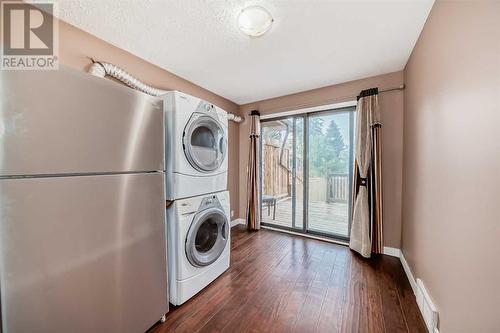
{"type": "Point", "coordinates": [198, 211]}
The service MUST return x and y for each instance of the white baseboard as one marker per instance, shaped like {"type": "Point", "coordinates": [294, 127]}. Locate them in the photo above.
{"type": "Point", "coordinates": [237, 222]}
{"type": "Point", "coordinates": [392, 251]}
{"type": "Point", "coordinates": [395, 252]}
{"type": "Point", "coordinates": [409, 274]}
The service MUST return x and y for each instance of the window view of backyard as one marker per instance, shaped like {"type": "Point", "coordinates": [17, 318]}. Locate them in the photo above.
{"type": "Point", "coordinates": [325, 176]}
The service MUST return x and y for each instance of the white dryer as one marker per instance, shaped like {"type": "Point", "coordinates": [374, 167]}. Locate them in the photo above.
{"type": "Point", "coordinates": [196, 146]}
{"type": "Point", "coordinates": [198, 233]}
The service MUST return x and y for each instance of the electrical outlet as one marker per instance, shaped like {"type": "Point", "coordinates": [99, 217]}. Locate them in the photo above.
{"type": "Point", "coordinates": [232, 213]}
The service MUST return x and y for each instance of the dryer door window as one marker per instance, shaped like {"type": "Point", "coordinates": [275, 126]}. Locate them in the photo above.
{"type": "Point", "coordinates": [207, 237]}
{"type": "Point", "coordinates": [204, 143]}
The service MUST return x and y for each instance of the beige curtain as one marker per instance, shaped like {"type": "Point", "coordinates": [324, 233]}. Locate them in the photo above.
{"type": "Point", "coordinates": [253, 174]}
{"type": "Point", "coordinates": [366, 228]}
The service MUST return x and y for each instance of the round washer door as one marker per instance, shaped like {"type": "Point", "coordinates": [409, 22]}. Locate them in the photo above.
{"type": "Point", "coordinates": [207, 237]}
{"type": "Point", "coordinates": [204, 143]}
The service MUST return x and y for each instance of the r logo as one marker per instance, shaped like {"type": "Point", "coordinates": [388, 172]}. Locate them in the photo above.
{"type": "Point", "coordinates": [28, 30]}
{"type": "Point", "coordinates": [28, 35]}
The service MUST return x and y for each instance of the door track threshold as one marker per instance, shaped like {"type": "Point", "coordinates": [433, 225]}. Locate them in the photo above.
{"type": "Point", "coordinates": [324, 239]}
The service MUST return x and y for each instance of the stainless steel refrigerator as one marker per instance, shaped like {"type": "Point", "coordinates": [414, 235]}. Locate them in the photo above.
{"type": "Point", "coordinates": [82, 205]}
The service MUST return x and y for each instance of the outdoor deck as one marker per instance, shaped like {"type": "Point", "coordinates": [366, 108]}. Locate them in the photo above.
{"type": "Point", "coordinates": [323, 216]}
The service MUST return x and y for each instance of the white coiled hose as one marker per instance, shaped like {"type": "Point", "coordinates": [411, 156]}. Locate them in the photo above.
{"type": "Point", "coordinates": [101, 69]}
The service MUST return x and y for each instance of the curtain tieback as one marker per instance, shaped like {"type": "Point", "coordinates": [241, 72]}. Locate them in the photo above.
{"type": "Point", "coordinates": [362, 181]}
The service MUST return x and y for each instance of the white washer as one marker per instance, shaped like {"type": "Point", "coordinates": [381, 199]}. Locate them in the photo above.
{"type": "Point", "coordinates": [196, 146]}
{"type": "Point", "coordinates": [198, 233]}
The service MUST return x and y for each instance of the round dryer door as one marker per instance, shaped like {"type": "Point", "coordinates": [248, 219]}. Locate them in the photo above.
{"type": "Point", "coordinates": [204, 143]}
{"type": "Point", "coordinates": [207, 237]}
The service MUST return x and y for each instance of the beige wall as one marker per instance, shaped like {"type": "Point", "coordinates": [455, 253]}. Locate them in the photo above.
{"type": "Point", "coordinates": [77, 45]}
{"type": "Point", "coordinates": [451, 216]}
{"type": "Point", "coordinates": [391, 104]}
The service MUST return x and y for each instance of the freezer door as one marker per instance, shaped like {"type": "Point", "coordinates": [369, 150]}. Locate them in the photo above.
{"type": "Point", "coordinates": [82, 254]}
{"type": "Point", "coordinates": [65, 121]}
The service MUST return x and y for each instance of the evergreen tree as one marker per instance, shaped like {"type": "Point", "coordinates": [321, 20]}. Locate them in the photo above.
{"type": "Point", "coordinates": [327, 150]}
{"type": "Point", "coordinates": [335, 148]}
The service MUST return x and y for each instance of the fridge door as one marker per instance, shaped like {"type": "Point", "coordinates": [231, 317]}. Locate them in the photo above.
{"type": "Point", "coordinates": [82, 254]}
{"type": "Point", "coordinates": [66, 122]}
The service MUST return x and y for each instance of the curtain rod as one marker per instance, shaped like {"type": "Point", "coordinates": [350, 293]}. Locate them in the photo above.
{"type": "Point", "coordinates": [401, 87]}
{"type": "Point", "coordinates": [328, 101]}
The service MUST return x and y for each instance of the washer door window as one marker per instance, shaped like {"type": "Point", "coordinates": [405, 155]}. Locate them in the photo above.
{"type": "Point", "coordinates": [204, 143]}
{"type": "Point", "coordinates": [207, 237]}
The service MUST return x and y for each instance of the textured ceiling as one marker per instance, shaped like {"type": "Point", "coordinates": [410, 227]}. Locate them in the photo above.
{"type": "Point", "coordinates": [313, 43]}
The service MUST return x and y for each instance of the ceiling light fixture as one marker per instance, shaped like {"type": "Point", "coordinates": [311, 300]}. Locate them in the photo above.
{"type": "Point", "coordinates": [254, 21]}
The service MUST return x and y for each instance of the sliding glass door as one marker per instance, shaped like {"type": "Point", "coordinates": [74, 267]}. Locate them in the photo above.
{"type": "Point", "coordinates": [282, 173]}
{"type": "Point", "coordinates": [329, 173]}
{"type": "Point", "coordinates": [306, 166]}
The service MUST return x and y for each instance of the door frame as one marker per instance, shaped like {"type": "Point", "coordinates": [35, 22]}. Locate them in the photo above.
{"type": "Point", "coordinates": [350, 110]}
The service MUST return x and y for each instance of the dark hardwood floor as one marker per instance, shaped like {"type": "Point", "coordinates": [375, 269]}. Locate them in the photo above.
{"type": "Point", "coordinates": [284, 283]}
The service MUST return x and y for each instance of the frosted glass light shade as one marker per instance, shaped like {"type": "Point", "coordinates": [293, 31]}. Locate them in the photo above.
{"type": "Point", "coordinates": [254, 21]}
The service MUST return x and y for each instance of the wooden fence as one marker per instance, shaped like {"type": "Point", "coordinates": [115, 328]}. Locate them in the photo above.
{"type": "Point", "coordinates": [276, 177]}
{"type": "Point", "coordinates": [337, 189]}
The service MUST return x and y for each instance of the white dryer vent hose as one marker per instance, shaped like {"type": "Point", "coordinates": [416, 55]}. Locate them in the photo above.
{"type": "Point", "coordinates": [101, 69]}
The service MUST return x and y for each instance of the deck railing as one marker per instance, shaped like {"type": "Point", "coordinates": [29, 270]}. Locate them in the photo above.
{"type": "Point", "coordinates": [337, 187]}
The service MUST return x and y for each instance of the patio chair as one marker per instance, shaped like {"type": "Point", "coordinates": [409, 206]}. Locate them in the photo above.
{"type": "Point", "coordinates": [269, 200]}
